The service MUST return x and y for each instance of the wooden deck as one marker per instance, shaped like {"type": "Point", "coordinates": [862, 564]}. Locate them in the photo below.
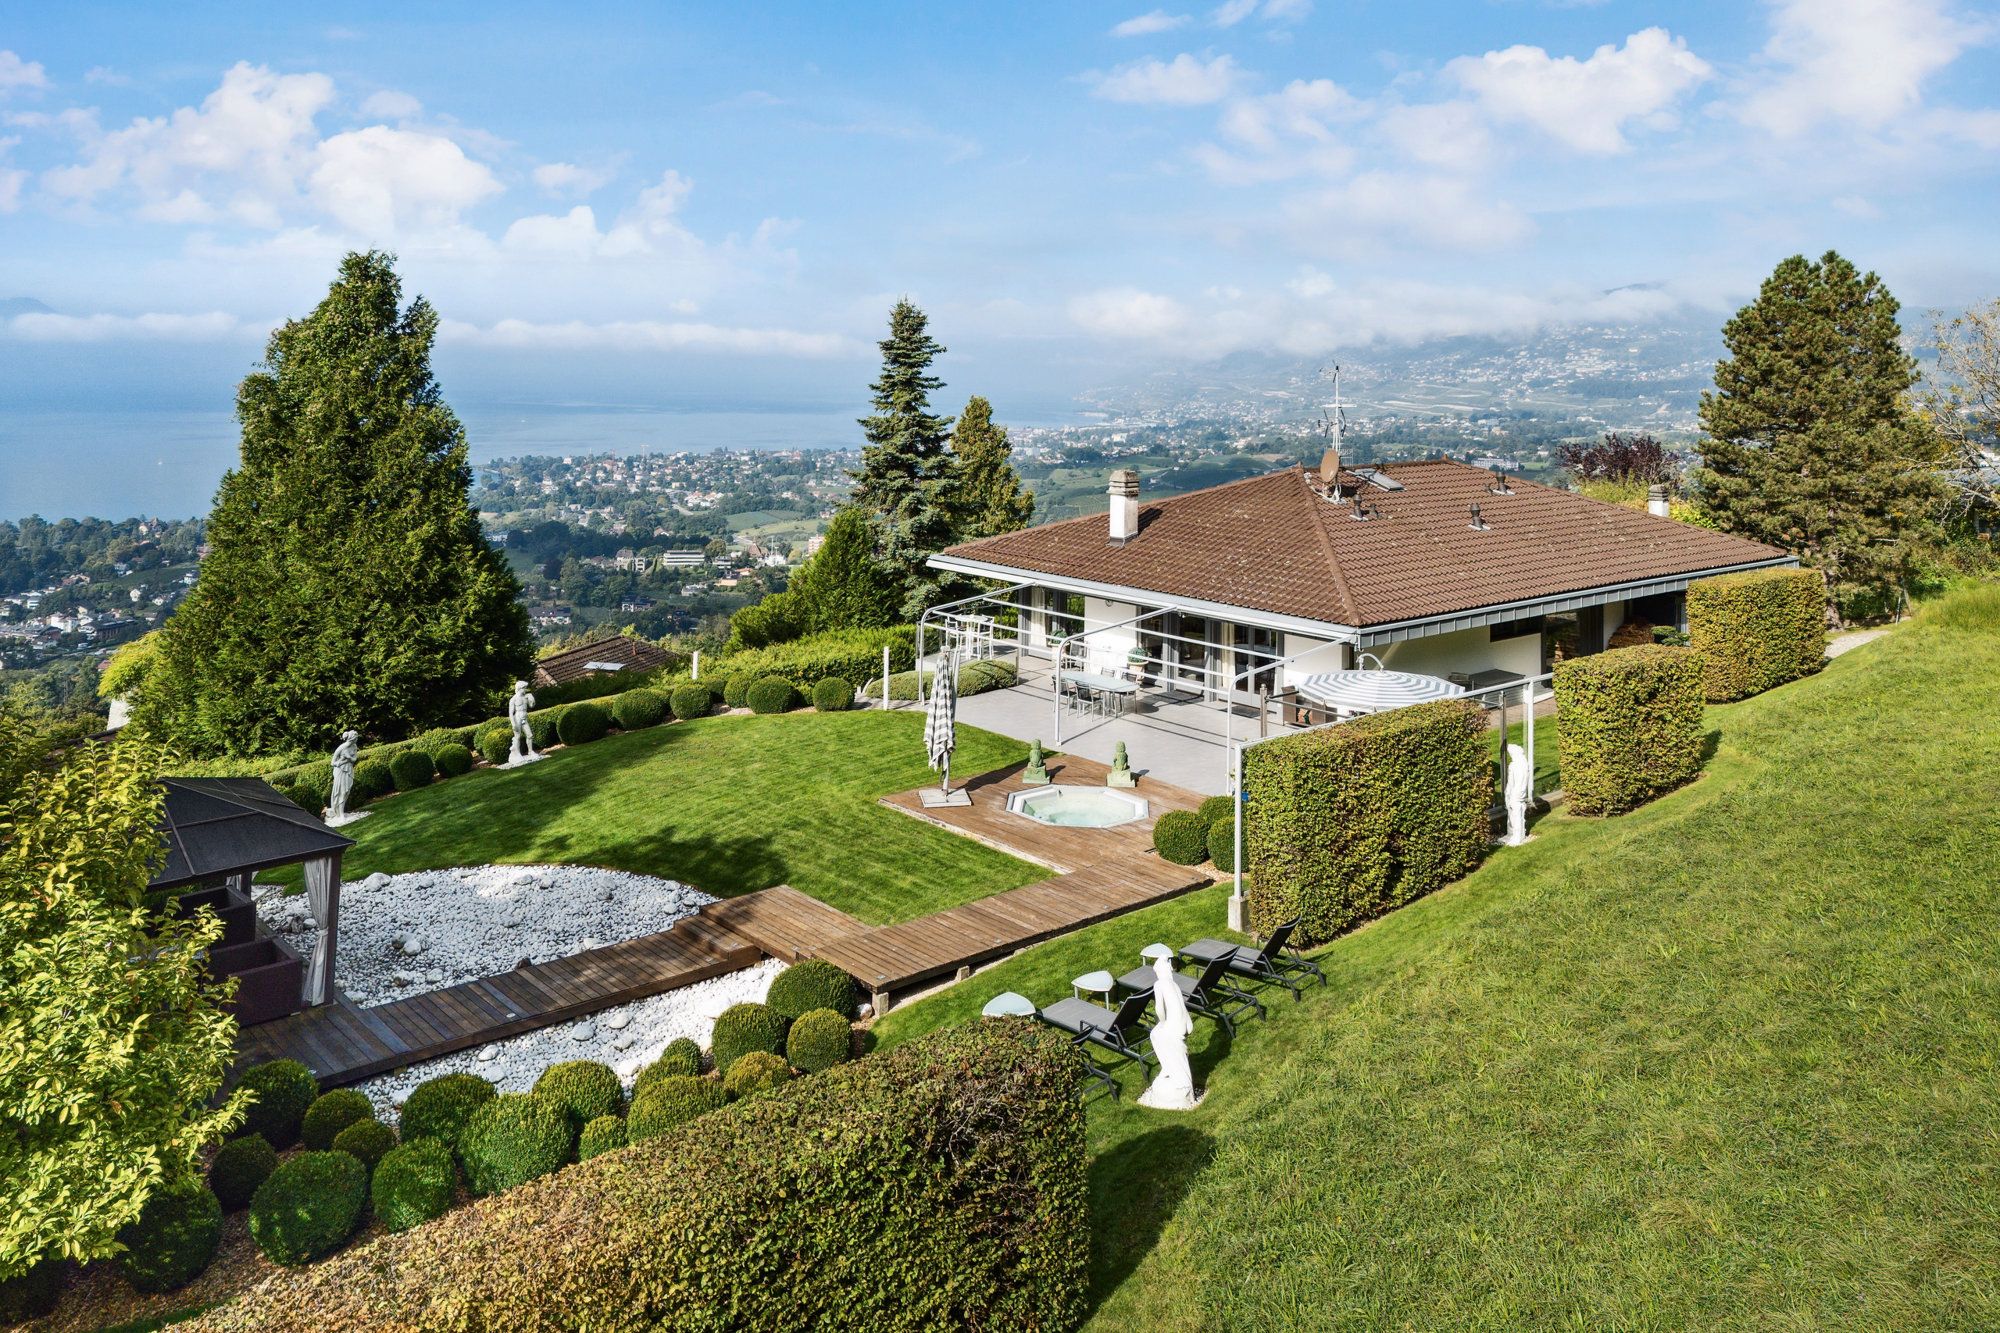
{"type": "Point", "coordinates": [781, 921]}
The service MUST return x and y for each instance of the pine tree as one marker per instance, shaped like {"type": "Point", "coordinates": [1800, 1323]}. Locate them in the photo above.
{"type": "Point", "coordinates": [347, 582]}
{"type": "Point", "coordinates": [990, 498]}
{"type": "Point", "coordinates": [1811, 443]}
{"type": "Point", "coordinates": [844, 586]}
{"type": "Point", "coordinates": [908, 479]}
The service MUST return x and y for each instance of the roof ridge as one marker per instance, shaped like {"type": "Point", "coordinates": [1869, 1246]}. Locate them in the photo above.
{"type": "Point", "coordinates": [1158, 499]}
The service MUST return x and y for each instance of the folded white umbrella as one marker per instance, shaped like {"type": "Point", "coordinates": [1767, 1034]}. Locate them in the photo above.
{"type": "Point", "coordinates": [940, 737]}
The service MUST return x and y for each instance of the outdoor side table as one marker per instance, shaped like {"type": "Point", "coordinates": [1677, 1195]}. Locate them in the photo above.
{"type": "Point", "coordinates": [1008, 1004]}
{"type": "Point", "coordinates": [1098, 983]}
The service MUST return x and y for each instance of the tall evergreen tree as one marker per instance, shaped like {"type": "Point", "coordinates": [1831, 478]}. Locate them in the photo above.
{"type": "Point", "coordinates": [990, 497]}
{"type": "Point", "coordinates": [1811, 443]}
{"type": "Point", "coordinates": [347, 581]}
{"type": "Point", "coordinates": [908, 479]}
{"type": "Point", "coordinates": [844, 586]}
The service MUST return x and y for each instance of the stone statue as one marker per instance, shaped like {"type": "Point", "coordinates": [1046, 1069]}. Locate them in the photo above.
{"type": "Point", "coordinates": [1121, 769]}
{"type": "Point", "coordinates": [344, 756]}
{"type": "Point", "coordinates": [521, 745]}
{"type": "Point", "coordinates": [1036, 774]}
{"type": "Point", "coordinates": [1173, 1088]}
{"type": "Point", "coordinates": [1518, 774]}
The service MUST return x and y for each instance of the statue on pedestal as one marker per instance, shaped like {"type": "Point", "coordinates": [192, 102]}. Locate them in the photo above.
{"type": "Point", "coordinates": [345, 756]}
{"type": "Point", "coordinates": [1036, 774]}
{"type": "Point", "coordinates": [1516, 797]}
{"type": "Point", "coordinates": [521, 744]}
{"type": "Point", "coordinates": [1173, 1088]}
{"type": "Point", "coordinates": [1121, 769]}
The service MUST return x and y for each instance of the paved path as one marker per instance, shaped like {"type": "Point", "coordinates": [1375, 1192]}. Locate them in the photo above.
{"type": "Point", "coordinates": [1852, 639]}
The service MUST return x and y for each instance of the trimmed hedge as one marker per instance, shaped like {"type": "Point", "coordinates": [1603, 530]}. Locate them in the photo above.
{"type": "Point", "coordinates": [852, 654]}
{"type": "Point", "coordinates": [744, 1028]}
{"type": "Point", "coordinates": [1631, 726]}
{"type": "Point", "coordinates": [367, 1141]}
{"type": "Point", "coordinates": [1216, 807]}
{"type": "Point", "coordinates": [636, 709]}
{"type": "Point", "coordinates": [580, 724]}
{"type": "Point", "coordinates": [495, 743]}
{"type": "Point", "coordinates": [689, 702]}
{"type": "Point", "coordinates": [736, 689]}
{"type": "Point", "coordinates": [1345, 823]}
{"type": "Point", "coordinates": [513, 1139]}
{"type": "Point", "coordinates": [330, 1113]}
{"type": "Point", "coordinates": [833, 695]}
{"type": "Point", "coordinates": [819, 1039]}
{"type": "Point", "coordinates": [772, 694]}
{"type": "Point", "coordinates": [759, 1071]}
{"type": "Point", "coordinates": [1181, 837]}
{"type": "Point", "coordinates": [311, 1203]}
{"type": "Point", "coordinates": [973, 678]}
{"type": "Point", "coordinates": [239, 1167]}
{"type": "Point", "coordinates": [312, 787]}
{"type": "Point", "coordinates": [413, 1183]}
{"type": "Point", "coordinates": [172, 1239]}
{"type": "Point", "coordinates": [809, 984]}
{"type": "Point", "coordinates": [1222, 845]}
{"type": "Point", "coordinates": [438, 1108]}
{"type": "Point", "coordinates": [542, 725]}
{"type": "Point", "coordinates": [670, 1101]}
{"type": "Point", "coordinates": [373, 778]}
{"type": "Point", "coordinates": [453, 760]}
{"type": "Point", "coordinates": [600, 1136]}
{"type": "Point", "coordinates": [943, 1184]}
{"type": "Point", "coordinates": [282, 1092]}
{"type": "Point", "coordinates": [681, 1057]}
{"type": "Point", "coordinates": [1756, 630]}
{"type": "Point", "coordinates": [583, 1089]}
{"type": "Point", "coordinates": [412, 769]}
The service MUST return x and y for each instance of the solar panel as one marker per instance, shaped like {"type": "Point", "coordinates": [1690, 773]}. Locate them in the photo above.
{"type": "Point", "coordinates": [1374, 477]}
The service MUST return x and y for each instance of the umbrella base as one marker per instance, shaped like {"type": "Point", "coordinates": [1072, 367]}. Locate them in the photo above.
{"type": "Point", "coordinates": [932, 798]}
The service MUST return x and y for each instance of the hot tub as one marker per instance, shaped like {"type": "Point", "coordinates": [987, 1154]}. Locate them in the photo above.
{"type": "Point", "coordinates": [1078, 807]}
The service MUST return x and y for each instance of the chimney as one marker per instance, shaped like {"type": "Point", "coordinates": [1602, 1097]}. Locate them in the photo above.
{"type": "Point", "coordinates": [1656, 500]}
{"type": "Point", "coordinates": [1124, 492]}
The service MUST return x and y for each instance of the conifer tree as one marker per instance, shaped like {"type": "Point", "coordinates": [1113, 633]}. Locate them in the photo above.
{"type": "Point", "coordinates": [844, 586]}
{"type": "Point", "coordinates": [908, 478]}
{"type": "Point", "coordinates": [990, 497]}
{"type": "Point", "coordinates": [347, 582]}
{"type": "Point", "coordinates": [1811, 443]}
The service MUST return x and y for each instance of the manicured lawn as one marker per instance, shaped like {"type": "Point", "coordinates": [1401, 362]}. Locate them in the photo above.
{"type": "Point", "coordinates": [726, 804]}
{"type": "Point", "coordinates": [1730, 1061]}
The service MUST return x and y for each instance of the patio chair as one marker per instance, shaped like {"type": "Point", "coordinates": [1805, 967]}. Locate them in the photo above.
{"type": "Point", "coordinates": [1205, 991]}
{"type": "Point", "coordinates": [1122, 1031]}
{"type": "Point", "coordinates": [1278, 962]}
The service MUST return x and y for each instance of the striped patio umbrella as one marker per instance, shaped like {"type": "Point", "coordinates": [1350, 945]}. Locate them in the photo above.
{"type": "Point", "coordinates": [1374, 691]}
{"type": "Point", "coordinates": [940, 723]}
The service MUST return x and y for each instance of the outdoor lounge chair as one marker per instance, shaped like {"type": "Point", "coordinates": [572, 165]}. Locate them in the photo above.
{"type": "Point", "coordinates": [1278, 962]}
{"type": "Point", "coordinates": [1121, 1031]}
{"type": "Point", "coordinates": [1205, 991]}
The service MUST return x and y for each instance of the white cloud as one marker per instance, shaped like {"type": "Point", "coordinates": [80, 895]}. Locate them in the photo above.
{"type": "Point", "coordinates": [1277, 136]}
{"type": "Point", "coordinates": [1232, 12]}
{"type": "Point", "coordinates": [17, 74]}
{"type": "Point", "coordinates": [1129, 314]}
{"type": "Point", "coordinates": [1378, 210]}
{"type": "Point", "coordinates": [211, 327]}
{"type": "Point", "coordinates": [1585, 104]}
{"type": "Point", "coordinates": [379, 181]}
{"type": "Point", "coordinates": [1452, 135]}
{"type": "Point", "coordinates": [1145, 25]}
{"type": "Point", "coordinates": [649, 335]}
{"type": "Point", "coordinates": [1863, 62]}
{"type": "Point", "coordinates": [391, 105]}
{"type": "Point", "coordinates": [567, 178]}
{"type": "Point", "coordinates": [572, 235]}
{"type": "Point", "coordinates": [11, 181]}
{"type": "Point", "coordinates": [105, 76]}
{"type": "Point", "coordinates": [1182, 81]}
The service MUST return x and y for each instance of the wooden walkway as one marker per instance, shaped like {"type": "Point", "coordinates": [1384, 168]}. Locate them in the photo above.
{"type": "Point", "coordinates": [781, 921]}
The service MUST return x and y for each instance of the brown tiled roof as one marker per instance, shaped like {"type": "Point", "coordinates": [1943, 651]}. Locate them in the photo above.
{"type": "Point", "coordinates": [633, 655]}
{"type": "Point", "coordinates": [1275, 544]}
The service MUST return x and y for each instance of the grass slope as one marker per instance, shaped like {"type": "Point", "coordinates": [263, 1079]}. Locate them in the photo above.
{"type": "Point", "coordinates": [727, 804]}
{"type": "Point", "coordinates": [1728, 1061]}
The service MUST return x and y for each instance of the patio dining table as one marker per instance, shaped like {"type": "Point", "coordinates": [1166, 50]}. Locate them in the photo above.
{"type": "Point", "coordinates": [1116, 686]}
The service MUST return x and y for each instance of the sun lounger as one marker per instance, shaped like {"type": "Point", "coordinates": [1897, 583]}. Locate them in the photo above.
{"type": "Point", "coordinates": [1277, 963]}
{"type": "Point", "coordinates": [1205, 991]}
{"type": "Point", "coordinates": [1121, 1031]}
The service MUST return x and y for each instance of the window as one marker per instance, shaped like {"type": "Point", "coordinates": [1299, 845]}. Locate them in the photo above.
{"type": "Point", "coordinates": [1516, 629]}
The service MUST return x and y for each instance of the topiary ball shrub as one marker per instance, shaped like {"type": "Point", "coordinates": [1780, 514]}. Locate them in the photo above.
{"type": "Point", "coordinates": [692, 701]}
{"type": "Point", "coordinates": [368, 1141]}
{"type": "Point", "coordinates": [583, 723]}
{"type": "Point", "coordinates": [637, 709]}
{"type": "Point", "coordinates": [584, 1089]}
{"type": "Point", "coordinates": [515, 1138]}
{"type": "Point", "coordinates": [372, 778]}
{"type": "Point", "coordinates": [438, 1108]}
{"type": "Point", "coordinates": [833, 695]}
{"type": "Point", "coordinates": [494, 743]}
{"type": "Point", "coordinates": [1222, 845]}
{"type": "Point", "coordinates": [1214, 808]}
{"type": "Point", "coordinates": [744, 1028]}
{"type": "Point", "coordinates": [453, 760]}
{"type": "Point", "coordinates": [542, 726]}
{"type": "Point", "coordinates": [331, 1113]}
{"type": "Point", "coordinates": [311, 791]}
{"type": "Point", "coordinates": [600, 1136]}
{"type": "Point", "coordinates": [666, 1102]}
{"type": "Point", "coordinates": [773, 694]}
{"type": "Point", "coordinates": [240, 1166]}
{"type": "Point", "coordinates": [682, 1057]}
{"type": "Point", "coordinates": [413, 1183]}
{"type": "Point", "coordinates": [736, 690]}
{"type": "Point", "coordinates": [819, 1039]}
{"type": "Point", "coordinates": [172, 1239]}
{"type": "Point", "coordinates": [311, 1203]}
{"type": "Point", "coordinates": [281, 1093]}
{"type": "Point", "coordinates": [812, 983]}
{"type": "Point", "coordinates": [412, 769]}
{"type": "Point", "coordinates": [33, 1294]}
{"type": "Point", "coordinates": [759, 1071]}
{"type": "Point", "coordinates": [1181, 837]}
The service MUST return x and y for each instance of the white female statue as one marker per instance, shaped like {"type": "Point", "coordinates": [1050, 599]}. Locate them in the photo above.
{"type": "Point", "coordinates": [1173, 1089]}
{"type": "Point", "coordinates": [521, 747]}
{"type": "Point", "coordinates": [1517, 796]}
{"type": "Point", "coordinates": [344, 756]}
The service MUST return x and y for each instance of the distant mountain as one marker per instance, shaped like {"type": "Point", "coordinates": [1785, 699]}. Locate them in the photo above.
{"type": "Point", "coordinates": [11, 306]}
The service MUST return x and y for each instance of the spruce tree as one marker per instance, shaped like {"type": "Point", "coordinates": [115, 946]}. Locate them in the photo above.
{"type": "Point", "coordinates": [844, 586]}
{"type": "Point", "coordinates": [1811, 443]}
{"type": "Point", "coordinates": [908, 478]}
{"type": "Point", "coordinates": [990, 498]}
{"type": "Point", "coordinates": [347, 582]}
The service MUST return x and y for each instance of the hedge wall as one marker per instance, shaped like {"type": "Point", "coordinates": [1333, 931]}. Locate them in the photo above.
{"type": "Point", "coordinates": [1346, 823]}
{"type": "Point", "coordinates": [1757, 630]}
{"type": "Point", "coordinates": [852, 654]}
{"type": "Point", "coordinates": [942, 1184]}
{"type": "Point", "coordinates": [1631, 726]}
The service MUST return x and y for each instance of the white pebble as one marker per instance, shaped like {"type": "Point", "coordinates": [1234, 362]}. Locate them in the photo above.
{"type": "Point", "coordinates": [413, 946]}
{"type": "Point", "coordinates": [584, 1032]}
{"type": "Point", "coordinates": [618, 1022]}
{"type": "Point", "coordinates": [488, 1053]}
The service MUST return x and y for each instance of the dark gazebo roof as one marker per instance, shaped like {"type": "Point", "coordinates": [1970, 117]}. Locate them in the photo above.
{"type": "Point", "coordinates": [226, 826]}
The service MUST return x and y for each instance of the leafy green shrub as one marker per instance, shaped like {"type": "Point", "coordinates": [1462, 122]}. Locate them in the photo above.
{"type": "Point", "coordinates": [666, 1102]}
{"type": "Point", "coordinates": [495, 743]}
{"type": "Point", "coordinates": [373, 778]}
{"type": "Point", "coordinates": [851, 654]}
{"type": "Point", "coordinates": [542, 725]}
{"type": "Point", "coordinates": [330, 1113]}
{"type": "Point", "coordinates": [692, 701]}
{"type": "Point", "coordinates": [600, 1136]}
{"type": "Point", "coordinates": [438, 1108]}
{"type": "Point", "coordinates": [366, 1141]}
{"type": "Point", "coordinates": [312, 788]}
{"type": "Point", "coordinates": [1345, 823]}
{"type": "Point", "coordinates": [240, 1166]}
{"type": "Point", "coordinates": [736, 689]}
{"type": "Point", "coordinates": [636, 709]}
{"type": "Point", "coordinates": [452, 760]}
{"type": "Point", "coordinates": [514, 1138]}
{"type": "Point", "coordinates": [281, 1093]}
{"type": "Point", "coordinates": [682, 1057]}
{"type": "Point", "coordinates": [943, 1184]}
{"type": "Point", "coordinates": [819, 1039]}
{"type": "Point", "coordinates": [812, 983]}
{"type": "Point", "coordinates": [1631, 726]}
{"type": "Point", "coordinates": [973, 678]}
{"type": "Point", "coordinates": [583, 723]}
{"type": "Point", "coordinates": [833, 695]}
{"type": "Point", "coordinates": [582, 1089]}
{"type": "Point", "coordinates": [1181, 837]}
{"type": "Point", "coordinates": [32, 1294]}
{"type": "Point", "coordinates": [717, 683]}
{"type": "Point", "coordinates": [1214, 808]}
{"type": "Point", "coordinates": [1222, 844]}
{"type": "Point", "coordinates": [744, 1028]}
{"type": "Point", "coordinates": [310, 1204]}
{"type": "Point", "coordinates": [1756, 630]}
{"type": "Point", "coordinates": [412, 769]}
{"type": "Point", "coordinates": [775, 619]}
{"type": "Point", "coordinates": [172, 1239]}
{"type": "Point", "coordinates": [413, 1183]}
{"type": "Point", "coordinates": [773, 694]}
{"type": "Point", "coordinates": [759, 1071]}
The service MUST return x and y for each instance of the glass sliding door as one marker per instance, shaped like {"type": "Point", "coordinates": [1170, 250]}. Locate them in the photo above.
{"type": "Point", "coordinates": [1254, 650]}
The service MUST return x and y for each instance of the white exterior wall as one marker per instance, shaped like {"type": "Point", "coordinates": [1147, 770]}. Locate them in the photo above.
{"type": "Point", "coordinates": [1615, 615]}
{"type": "Point", "coordinates": [1107, 650]}
{"type": "Point", "coordinates": [1309, 656]}
{"type": "Point", "coordinates": [1466, 650]}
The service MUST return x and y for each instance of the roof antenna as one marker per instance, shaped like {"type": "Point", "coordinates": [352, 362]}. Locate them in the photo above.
{"type": "Point", "coordinates": [1333, 424]}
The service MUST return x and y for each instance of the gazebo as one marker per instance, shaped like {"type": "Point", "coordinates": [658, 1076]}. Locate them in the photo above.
{"type": "Point", "coordinates": [227, 829]}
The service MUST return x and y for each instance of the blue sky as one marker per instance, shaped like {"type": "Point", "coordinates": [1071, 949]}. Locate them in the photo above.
{"type": "Point", "coordinates": [640, 201]}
